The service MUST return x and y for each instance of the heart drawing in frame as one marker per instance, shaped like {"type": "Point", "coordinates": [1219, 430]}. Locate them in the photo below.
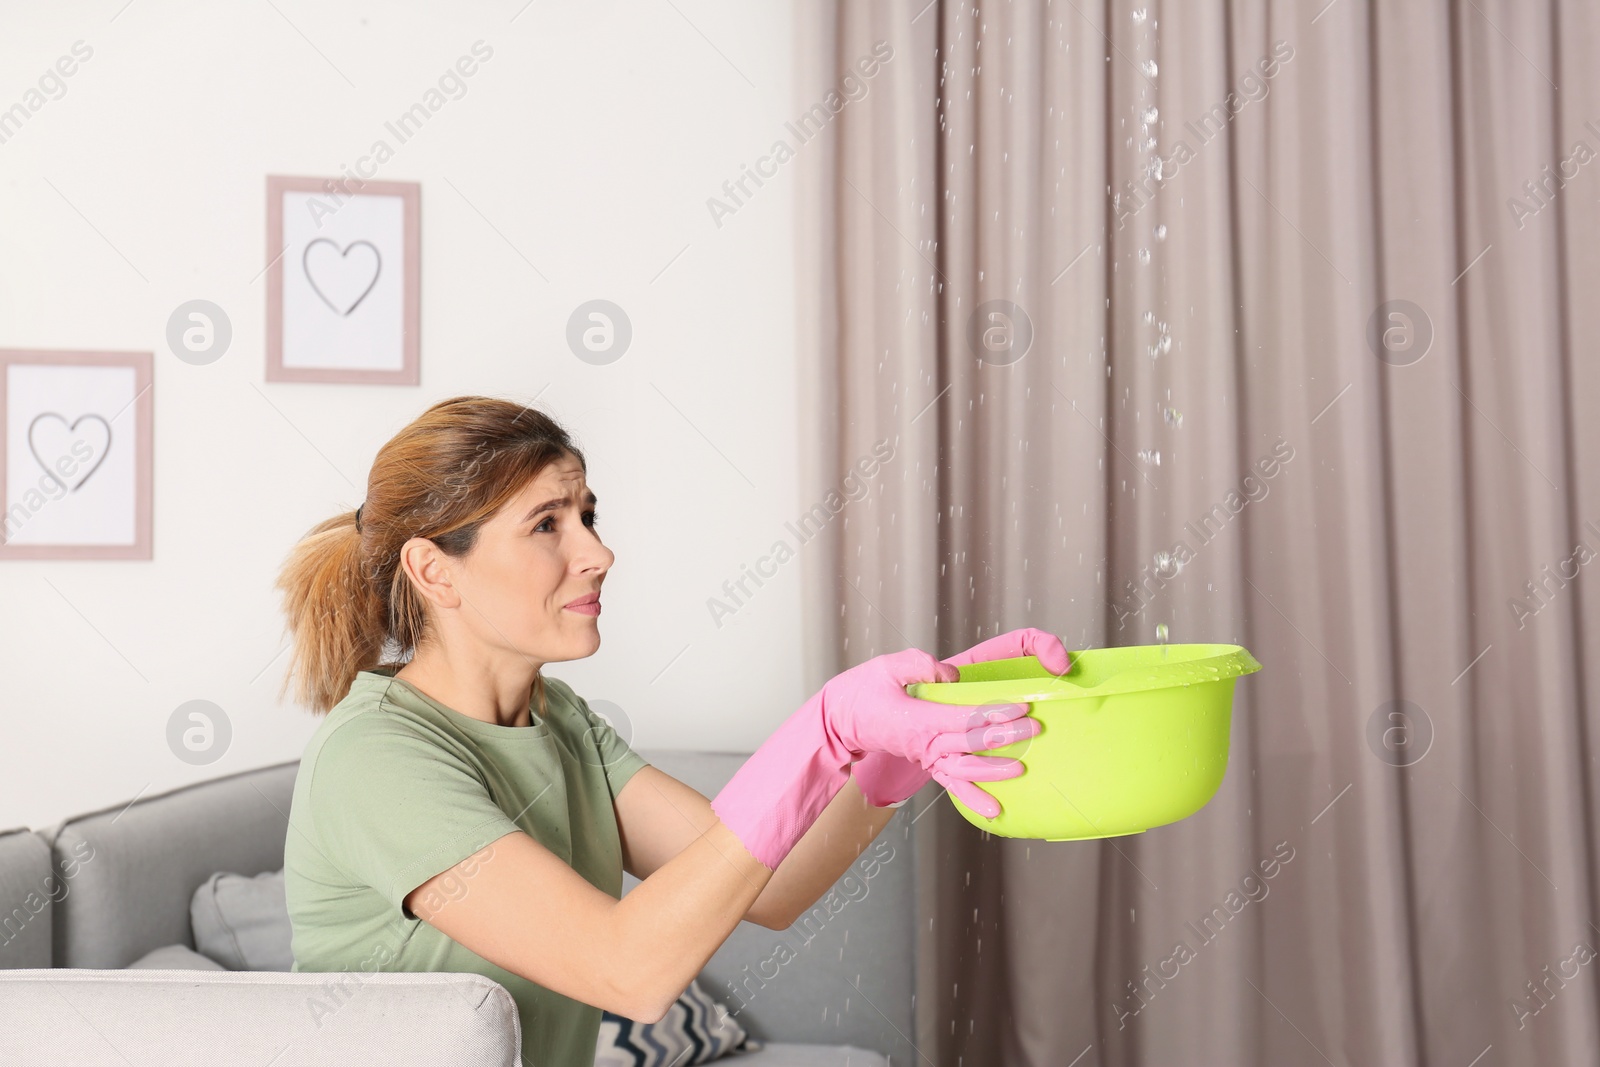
{"type": "Point", "coordinates": [340, 276]}
{"type": "Point", "coordinates": [48, 440]}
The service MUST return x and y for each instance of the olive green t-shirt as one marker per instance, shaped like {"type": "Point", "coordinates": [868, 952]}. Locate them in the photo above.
{"type": "Point", "coordinates": [394, 788]}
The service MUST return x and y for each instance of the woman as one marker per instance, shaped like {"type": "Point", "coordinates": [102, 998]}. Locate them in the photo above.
{"type": "Point", "coordinates": [457, 810]}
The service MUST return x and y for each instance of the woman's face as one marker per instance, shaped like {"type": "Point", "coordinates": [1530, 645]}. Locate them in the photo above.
{"type": "Point", "coordinates": [531, 561]}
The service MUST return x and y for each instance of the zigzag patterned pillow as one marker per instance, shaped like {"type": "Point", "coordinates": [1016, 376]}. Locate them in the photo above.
{"type": "Point", "coordinates": [696, 1029]}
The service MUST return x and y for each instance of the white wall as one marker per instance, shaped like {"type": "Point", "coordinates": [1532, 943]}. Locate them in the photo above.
{"type": "Point", "coordinates": [591, 139]}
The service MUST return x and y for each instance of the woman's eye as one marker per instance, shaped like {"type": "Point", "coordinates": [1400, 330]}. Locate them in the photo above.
{"type": "Point", "coordinates": [590, 519]}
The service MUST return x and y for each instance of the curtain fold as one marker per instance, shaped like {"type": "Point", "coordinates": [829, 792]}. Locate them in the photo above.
{"type": "Point", "coordinates": [1265, 323]}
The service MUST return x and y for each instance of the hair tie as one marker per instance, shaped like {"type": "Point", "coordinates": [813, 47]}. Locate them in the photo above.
{"type": "Point", "coordinates": [358, 515]}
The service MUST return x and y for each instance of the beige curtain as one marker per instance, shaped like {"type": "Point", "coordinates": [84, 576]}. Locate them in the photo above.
{"type": "Point", "coordinates": [1367, 264]}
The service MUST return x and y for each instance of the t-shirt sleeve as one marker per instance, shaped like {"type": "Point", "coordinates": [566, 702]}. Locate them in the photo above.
{"type": "Point", "coordinates": [604, 744]}
{"type": "Point", "coordinates": [393, 809]}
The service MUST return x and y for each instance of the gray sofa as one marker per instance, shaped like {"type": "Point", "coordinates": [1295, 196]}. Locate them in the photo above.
{"type": "Point", "coordinates": [83, 900]}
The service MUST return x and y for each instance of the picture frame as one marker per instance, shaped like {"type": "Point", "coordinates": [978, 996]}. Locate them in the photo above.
{"type": "Point", "coordinates": [76, 454]}
{"type": "Point", "coordinates": [344, 281]}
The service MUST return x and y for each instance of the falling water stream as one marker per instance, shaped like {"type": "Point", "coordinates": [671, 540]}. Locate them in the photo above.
{"type": "Point", "coordinates": [1161, 343]}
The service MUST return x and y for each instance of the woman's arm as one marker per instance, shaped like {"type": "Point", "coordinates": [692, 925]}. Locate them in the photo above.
{"type": "Point", "coordinates": [846, 826]}
{"type": "Point", "coordinates": [634, 957]}
{"type": "Point", "coordinates": [523, 908]}
{"type": "Point", "coordinates": [660, 816]}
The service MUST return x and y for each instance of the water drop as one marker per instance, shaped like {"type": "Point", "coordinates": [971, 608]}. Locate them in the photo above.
{"type": "Point", "coordinates": [1152, 457]}
{"type": "Point", "coordinates": [1139, 15]}
{"type": "Point", "coordinates": [1173, 417]}
{"type": "Point", "coordinates": [1144, 255]}
{"type": "Point", "coordinates": [1149, 116]}
{"type": "Point", "coordinates": [1161, 232]}
{"type": "Point", "coordinates": [1149, 317]}
{"type": "Point", "coordinates": [1161, 632]}
{"type": "Point", "coordinates": [1149, 68]}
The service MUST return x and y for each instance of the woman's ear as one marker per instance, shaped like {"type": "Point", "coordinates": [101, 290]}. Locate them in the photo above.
{"type": "Point", "coordinates": [427, 569]}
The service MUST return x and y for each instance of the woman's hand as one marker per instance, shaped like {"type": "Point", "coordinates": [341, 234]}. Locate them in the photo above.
{"type": "Point", "coordinates": [1029, 641]}
{"type": "Point", "coordinates": [886, 780]}
{"type": "Point", "coordinates": [867, 709]}
{"type": "Point", "coordinates": [791, 778]}
{"type": "Point", "coordinates": [773, 799]}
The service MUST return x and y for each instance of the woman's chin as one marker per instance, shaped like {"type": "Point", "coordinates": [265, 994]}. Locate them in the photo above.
{"type": "Point", "coordinates": [585, 642]}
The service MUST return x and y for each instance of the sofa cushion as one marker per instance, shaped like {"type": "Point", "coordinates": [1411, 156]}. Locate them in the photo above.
{"type": "Point", "coordinates": [29, 890]}
{"type": "Point", "coordinates": [696, 1029]}
{"type": "Point", "coordinates": [175, 958]}
{"type": "Point", "coordinates": [206, 1018]}
{"type": "Point", "coordinates": [243, 922]}
{"type": "Point", "coordinates": [140, 862]}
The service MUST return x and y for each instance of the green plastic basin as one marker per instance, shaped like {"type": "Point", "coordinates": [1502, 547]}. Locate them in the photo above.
{"type": "Point", "coordinates": [1131, 738]}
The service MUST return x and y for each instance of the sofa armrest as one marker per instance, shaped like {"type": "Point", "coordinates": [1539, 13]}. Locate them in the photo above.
{"type": "Point", "coordinates": [194, 1018]}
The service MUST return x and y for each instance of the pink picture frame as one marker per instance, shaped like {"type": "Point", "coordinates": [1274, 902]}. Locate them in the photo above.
{"type": "Point", "coordinates": [398, 308]}
{"type": "Point", "coordinates": [126, 501]}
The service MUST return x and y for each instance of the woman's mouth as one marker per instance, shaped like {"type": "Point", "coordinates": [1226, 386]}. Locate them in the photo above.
{"type": "Point", "coordinates": [586, 605]}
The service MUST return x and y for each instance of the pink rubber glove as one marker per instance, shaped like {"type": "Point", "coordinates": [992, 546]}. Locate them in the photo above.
{"type": "Point", "coordinates": [772, 800]}
{"type": "Point", "coordinates": [889, 781]}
